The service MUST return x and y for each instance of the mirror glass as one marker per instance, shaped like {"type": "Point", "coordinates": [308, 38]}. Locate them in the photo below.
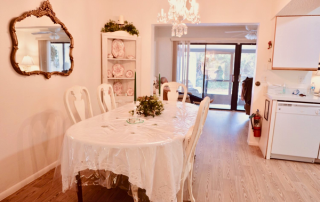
{"type": "Point", "coordinates": [42, 46]}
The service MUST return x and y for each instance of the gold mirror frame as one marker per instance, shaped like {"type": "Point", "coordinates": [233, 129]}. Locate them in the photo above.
{"type": "Point", "coordinates": [45, 9]}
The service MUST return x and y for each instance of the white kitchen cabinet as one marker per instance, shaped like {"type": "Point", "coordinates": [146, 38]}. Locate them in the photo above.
{"type": "Point", "coordinates": [287, 145]}
{"type": "Point", "coordinates": [296, 43]}
{"type": "Point", "coordinates": [294, 133]}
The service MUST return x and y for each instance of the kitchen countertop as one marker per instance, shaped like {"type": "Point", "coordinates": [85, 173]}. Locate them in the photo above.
{"type": "Point", "coordinates": [296, 98]}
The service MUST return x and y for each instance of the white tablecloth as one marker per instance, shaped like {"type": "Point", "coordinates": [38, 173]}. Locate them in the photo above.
{"type": "Point", "coordinates": [149, 153]}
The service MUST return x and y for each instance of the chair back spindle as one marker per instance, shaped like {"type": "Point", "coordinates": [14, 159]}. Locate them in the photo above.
{"type": "Point", "coordinates": [106, 98]}
{"type": "Point", "coordinates": [79, 103]}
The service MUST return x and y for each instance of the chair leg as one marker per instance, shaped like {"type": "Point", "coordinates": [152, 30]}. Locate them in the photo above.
{"type": "Point", "coordinates": [190, 186]}
{"type": "Point", "coordinates": [134, 190]}
{"type": "Point", "coordinates": [79, 187]}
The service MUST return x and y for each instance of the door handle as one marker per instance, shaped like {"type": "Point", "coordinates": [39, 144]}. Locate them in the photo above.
{"type": "Point", "coordinates": [239, 78]}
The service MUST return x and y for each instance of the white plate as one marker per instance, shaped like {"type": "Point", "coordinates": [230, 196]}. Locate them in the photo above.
{"type": "Point", "coordinates": [130, 92]}
{"type": "Point", "coordinates": [118, 49]}
{"type": "Point", "coordinates": [117, 87]}
{"type": "Point", "coordinates": [117, 70]}
{"type": "Point", "coordinates": [129, 74]}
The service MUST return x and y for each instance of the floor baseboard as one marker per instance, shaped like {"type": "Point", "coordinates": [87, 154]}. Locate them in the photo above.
{"type": "Point", "coordinates": [26, 181]}
{"type": "Point", "coordinates": [253, 143]}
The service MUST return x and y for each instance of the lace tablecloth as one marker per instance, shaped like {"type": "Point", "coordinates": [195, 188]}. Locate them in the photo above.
{"type": "Point", "coordinates": [149, 153]}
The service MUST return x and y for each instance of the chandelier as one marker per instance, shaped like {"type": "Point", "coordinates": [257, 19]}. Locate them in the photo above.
{"type": "Point", "coordinates": [178, 13]}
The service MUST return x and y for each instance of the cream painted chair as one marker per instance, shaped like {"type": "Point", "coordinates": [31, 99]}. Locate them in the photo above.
{"type": "Point", "coordinates": [106, 101]}
{"type": "Point", "coordinates": [173, 94]}
{"type": "Point", "coordinates": [79, 103]}
{"type": "Point", "coordinates": [190, 144]}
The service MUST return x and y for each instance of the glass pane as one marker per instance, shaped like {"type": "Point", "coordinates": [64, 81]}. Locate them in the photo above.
{"type": "Point", "coordinates": [218, 76]}
{"type": "Point", "coordinates": [248, 63]}
{"type": "Point", "coordinates": [56, 62]}
{"type": "Point", "coordinates": [67, 62]}
{"type": "Point", "coordinates": [195, 72]}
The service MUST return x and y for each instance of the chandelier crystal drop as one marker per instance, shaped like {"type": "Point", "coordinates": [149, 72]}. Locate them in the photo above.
{"type": "Point", "coordinates": [178, 13]}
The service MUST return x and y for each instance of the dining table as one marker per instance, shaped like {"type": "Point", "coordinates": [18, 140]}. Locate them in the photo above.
{"type": "Point", "coordinates": [150, 153]}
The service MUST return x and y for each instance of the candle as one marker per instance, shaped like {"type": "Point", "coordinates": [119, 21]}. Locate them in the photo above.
{"type": "Point", "coordinates": [161, 11]}
{"type": "Point", "coordinates": [135, 86]}
{"type": "Point", "coordinates": [121, 21]}
{"type": "Point", "coordinates": [159, 85]}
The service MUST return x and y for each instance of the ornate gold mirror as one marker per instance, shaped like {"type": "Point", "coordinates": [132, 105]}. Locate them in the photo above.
{"type": "Point", "coordinates": [42, 44]}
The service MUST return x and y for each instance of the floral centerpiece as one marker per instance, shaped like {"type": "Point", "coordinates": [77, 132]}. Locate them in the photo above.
{"type": "Point", "coordinates": [149, 106]}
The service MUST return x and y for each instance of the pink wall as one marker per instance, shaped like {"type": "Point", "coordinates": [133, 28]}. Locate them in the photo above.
{"type": "Point", "coordinates": [33, 118]}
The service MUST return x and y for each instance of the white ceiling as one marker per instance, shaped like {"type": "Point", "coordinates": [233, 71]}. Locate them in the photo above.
{"type": "Point", "coordinates": [217, 31]}
{"type": "Point", "coordinates": [301, 7]}
{"type": "Point", "coordinates": [30, 30]}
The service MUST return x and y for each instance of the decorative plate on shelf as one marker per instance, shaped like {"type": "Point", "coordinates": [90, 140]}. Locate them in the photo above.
{"type": "Point", "coordinates": [130, 57]}
{"type": "Point", "coordinates": [118, 48]}
{"type": "Point", "coordinates": [109, 74]}
{"type": "Point", "coordinates": [117, 70]}
{"type": "Point", "coordinates": [117, 87]}
{"type": "Point", "coordinates": [130, 92]}
{"type": "Point", "coordinates": [129, 74]}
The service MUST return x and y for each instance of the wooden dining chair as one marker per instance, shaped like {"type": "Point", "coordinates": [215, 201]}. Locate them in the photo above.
{"type": "Point", "coordinates": [79, 103]}
{"type": "Point", "coordinates": [173, 94]}
{"type": "Point", "coordinates": [106, 98]}
{"type": "Point", "coordinates": [190, 144]}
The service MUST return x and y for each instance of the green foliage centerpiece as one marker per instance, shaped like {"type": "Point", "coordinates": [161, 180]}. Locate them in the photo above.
{"type": "Point", "coordinates": [149, 106]}
{"type": "Point", "coordinates": [112, 26]}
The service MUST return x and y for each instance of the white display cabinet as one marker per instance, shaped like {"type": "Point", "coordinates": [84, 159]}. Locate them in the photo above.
{"type": "Point", "coordinates": [132, 47]}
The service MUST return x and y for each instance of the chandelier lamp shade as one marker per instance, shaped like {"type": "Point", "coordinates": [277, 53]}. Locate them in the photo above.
{"type": "Point", "coordinates": [178, 14]}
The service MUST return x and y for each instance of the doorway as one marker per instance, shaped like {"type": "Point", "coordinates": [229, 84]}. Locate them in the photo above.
{"type": "Point", "coordinates": [217, 71]}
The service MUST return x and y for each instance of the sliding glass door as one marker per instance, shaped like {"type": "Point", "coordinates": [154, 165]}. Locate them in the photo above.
{"type": "Point", "coordinates": [219, 67]}
{"type": "Point", "coordinates": [215, 70]}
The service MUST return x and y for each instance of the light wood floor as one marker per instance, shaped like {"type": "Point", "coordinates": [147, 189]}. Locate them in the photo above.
{"type": "Point", "coordinates": [226, 169]}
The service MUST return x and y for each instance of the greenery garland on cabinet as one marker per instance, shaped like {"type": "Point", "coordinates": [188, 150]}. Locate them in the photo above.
{"type": "Point", "coordinates": [112, 26]}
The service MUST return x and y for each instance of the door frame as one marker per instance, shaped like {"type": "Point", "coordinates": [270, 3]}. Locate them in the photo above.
{"type": "Point", "coordinates": [235, 73]}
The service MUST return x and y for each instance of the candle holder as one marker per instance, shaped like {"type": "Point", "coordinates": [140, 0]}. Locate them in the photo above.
{"type": "Point", "coordinates": [120, 25]}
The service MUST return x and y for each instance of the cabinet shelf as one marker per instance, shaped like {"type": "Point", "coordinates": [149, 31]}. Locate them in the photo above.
{"type": "Point", "coordinates": [121, 78]}
{"type": "Point", "coordinates": [119, 59]}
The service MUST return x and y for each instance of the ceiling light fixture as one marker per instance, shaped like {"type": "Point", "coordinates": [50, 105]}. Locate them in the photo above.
{"type": "Point", "coordinates": [251, 36]}
{"type": "Point", "coordinates": [54, 36]}
{"type": "Point", "coordinates": [178, 13]}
